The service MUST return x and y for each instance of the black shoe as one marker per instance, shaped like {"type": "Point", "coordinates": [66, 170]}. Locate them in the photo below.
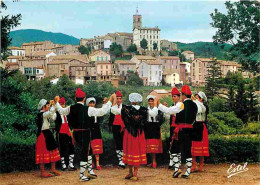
{"type": "Point", "coordinates": [64, 169]}
{"type": "Point", "coordinates": [92, 176]}
{"type": "Point", "coordinates": [170, 167]}
{"type": "Point", "coordinates": [184, 176]}
{"type": "Point", "coordinates": [122, 166]}
{"type": "Point", "coordinates": [72, 168]}
{"type": "Point", "coordinates": [176, 174]}
{"type": "Point", "coordinates": [84, 178]}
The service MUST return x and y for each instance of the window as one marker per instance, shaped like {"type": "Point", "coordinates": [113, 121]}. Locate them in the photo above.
{"type": "Point", "coordinates": [193, 64]}
{"type": "Point", "coordinates": [106, 58]}
{"type": "Point", "coordinates": [106, 66]}
{"type": "Point", "coordinates": [101, 67]}
{"type": "Point", "coordinates": [98, 60]}
{"type": "Point", "coordinates": [102, 59]}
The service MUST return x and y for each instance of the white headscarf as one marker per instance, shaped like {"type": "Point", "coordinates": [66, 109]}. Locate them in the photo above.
{"type": "Point", "coordinates": [42, 103]}
{"type": "Point", "coordinates": [202, 95]}
{"type": "Point", "coordinates": [135, 97]}
{"type": "Point", "coordinates": [150, 96]}
{"type": "Point", "coordinates": [90, 99]}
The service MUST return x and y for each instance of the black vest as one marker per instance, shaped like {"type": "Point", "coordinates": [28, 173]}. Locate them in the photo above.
{"type": "Point", "coordinates": [78, 117]}
{"type": "Point", "coordinates": [188, 114]}
{"type": "Point", "coordinates": [58, 122]}
{"type": "Point", "coordinates": [112, 117]}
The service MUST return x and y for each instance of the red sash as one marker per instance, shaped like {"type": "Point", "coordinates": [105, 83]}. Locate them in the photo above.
{"type": "Point", "coordinates": [179, 127]}
{"type": "Point", "coordinates": [118, 121]}
{"type": "Point", "coordinates": [173, 120]}
{"type": "Point", "coordinates": [65, 127]}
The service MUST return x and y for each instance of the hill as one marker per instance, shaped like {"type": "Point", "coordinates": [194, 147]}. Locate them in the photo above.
{"type": "Point", "coordinates": [205, 49]}
{"type": "Point", "coordinates": [31, 35]}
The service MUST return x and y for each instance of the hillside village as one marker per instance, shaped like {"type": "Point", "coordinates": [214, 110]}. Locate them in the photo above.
{"type": "Point", "coordinates": [38, 60]}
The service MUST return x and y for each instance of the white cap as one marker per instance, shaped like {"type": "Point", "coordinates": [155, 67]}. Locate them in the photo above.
{"type": "Point", "coordinates": [202, 95]}
{"type": "Point", "coordinates": [135, 97]}
{"type": "Point", "coordinates": [42, 103]}
{"type": "Point", "coordinates": [90, 99]}
{"type": "Point", "coordinates": [150, 97]}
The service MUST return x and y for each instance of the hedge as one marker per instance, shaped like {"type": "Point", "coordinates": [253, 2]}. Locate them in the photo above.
{"type": "Point", "coordinates": [19, 154]}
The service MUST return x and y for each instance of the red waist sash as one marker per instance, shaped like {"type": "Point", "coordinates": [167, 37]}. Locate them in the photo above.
{"type": "Point", "coordinates": [179, 127]}
{"type": "Point", "coordinates": [65, 129]}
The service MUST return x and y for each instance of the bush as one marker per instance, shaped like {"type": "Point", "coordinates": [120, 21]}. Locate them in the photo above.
{"type": "Point", "coordinates": [252, 128]}
{"type": "Point", "coordinates": [233, 149]}
{"type": "Point", "coordinates": [217, 105]}
{"type": "Point", "coordinates": [216, 126]}
{"type": "Point", "coordinates": [229, 119]}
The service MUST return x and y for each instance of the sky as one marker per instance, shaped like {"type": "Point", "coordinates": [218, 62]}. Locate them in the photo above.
{"type": "Point", "coordinates": [183, 21]}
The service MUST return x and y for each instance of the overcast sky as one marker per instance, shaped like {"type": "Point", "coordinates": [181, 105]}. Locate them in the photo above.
{"type": "Point", "coordinates": [184, 21]}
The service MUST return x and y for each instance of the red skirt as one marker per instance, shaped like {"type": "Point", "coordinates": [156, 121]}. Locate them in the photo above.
{"type": "Point", "coordinates": [201, 148]}
{"type": "Point", "coordinates": [134, 149]}
{"type": "Point", "coordinates": [42, 154]}
{"type": "Point", "coordinates": [97, 146]}
{"type": "Point", "coordinates": [154, 146]}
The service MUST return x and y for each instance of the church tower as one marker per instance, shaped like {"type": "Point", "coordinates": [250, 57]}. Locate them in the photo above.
{"type": "Point", "coordinates": [137, 20]}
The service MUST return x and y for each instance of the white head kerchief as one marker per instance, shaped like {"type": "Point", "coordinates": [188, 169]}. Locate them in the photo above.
{"type": "Point", "coordinates": [90, 99]}
{"type": "Point", "coordinates": [150, 96]}
{"type": "Point", "coordinates": [41, 103]}
{"type": "Point", "coordinates": [202, 95]}
{"type": "Point", "coordinates": [135, 97]}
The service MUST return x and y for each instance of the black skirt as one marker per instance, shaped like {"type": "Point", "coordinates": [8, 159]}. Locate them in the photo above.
{"type": "Point", "coordinates": [152, 130]}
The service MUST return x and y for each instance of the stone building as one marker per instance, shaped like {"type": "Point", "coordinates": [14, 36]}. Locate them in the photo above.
{"type": "Point", "coordinates": [36, 46]}
{"type": "Point", "coordinates": [189, 55]}
{"type": "Point", "coordinates": [152, 35]}
{"type": "Point", "coordinates": [168, 45]}
{"type": "Point", "coordinates": [151, 72]}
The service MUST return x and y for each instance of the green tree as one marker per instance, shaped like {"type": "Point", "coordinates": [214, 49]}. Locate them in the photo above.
{"type": "Point", "coordinates": [134, 80]}
{"type": "Point", "coordinates": [155, 46]}
{"type": "Point", "coordinates": [252, 107]}
{"type": "Point", "coordinates": [132, 48]}
{"type": "Point", "coordinates": [173, 53]}
{"type": "Point", "coordinates": [240, 26]}
{"type": "Point", "coordinates": [231, 98]}
{"type": "Point", "coordinates": [144, 44]}
{"type": "Point", "coordinates": [116, 49]}
{"type": "Point", "coordinates": [241, 103]}
{"type": "Point", "coordinates": [7, 23]}
{"type": "Point", "coordinates": [212, 79]}
{"type": "Point", "coordinates": [84, 50]}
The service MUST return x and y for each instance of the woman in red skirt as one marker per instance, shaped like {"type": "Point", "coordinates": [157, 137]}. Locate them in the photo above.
{"type": "Point", "coordinates": [96, 138]}
{"type": "Point", "coordinates": [153, 130]}
{"type": "Point", "coordinates": [200, 148]}
{"type": "Point", "coordinates": [46, 147]}
{"type": "Point", "coordinates": [135, 118]}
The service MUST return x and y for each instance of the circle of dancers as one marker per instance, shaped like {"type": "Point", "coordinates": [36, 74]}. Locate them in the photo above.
{"type": "Point", "coordinates": [136, 132]}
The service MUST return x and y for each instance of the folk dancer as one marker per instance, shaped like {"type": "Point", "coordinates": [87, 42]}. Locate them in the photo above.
{"type": "Point", "coordinates": [117, 124]}
{"type": "Point", "coordinates": [176, 100]}
{"type": "Point", "coordinates": [80, 117]}
{"type": "Point", "coordinates": [64, 139]}
{"type": "Point", "coordinates": [153, 130]}
{"type": "Point", "coordinates": [135, 118]}
{"type": "Point", "coordinates": [96, 138]}
{"type": "Point", "coordinates": [200, 148]}
{"type": "Point", "coordinates": [46, 146]}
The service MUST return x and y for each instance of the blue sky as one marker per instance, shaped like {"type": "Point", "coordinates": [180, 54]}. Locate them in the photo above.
{"type": "Point", "coordinates": [184, 21]}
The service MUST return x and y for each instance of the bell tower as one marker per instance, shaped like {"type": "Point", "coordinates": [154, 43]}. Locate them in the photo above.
{"type": "Point", "coordinates": [137, 20]}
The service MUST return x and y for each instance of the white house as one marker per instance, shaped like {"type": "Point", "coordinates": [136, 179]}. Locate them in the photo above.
{"type": "Point", "coordinates": [16, 51]}
{"type": "Point", "coordinates": [151, 72]}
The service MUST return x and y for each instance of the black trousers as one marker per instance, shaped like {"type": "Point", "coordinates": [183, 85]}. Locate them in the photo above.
{"type": "Point", "coordinates": [183, 144]}
{"type": "Point", "coordinates": [65, 145]}
{"type": "Point", "coordinates": [118, 136]}
{"type": "Point", "coordinates": [82, 141]}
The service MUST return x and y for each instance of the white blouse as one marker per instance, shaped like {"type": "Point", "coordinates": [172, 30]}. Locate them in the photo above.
{"type": "Point", "coordinates": [201, 114]}
{"type": "Point", "coordinates": [116, 110]}
{"type": "Point", "coordinates": [46, 116]}
{"type": "Point", "coordinates": [152, 113]}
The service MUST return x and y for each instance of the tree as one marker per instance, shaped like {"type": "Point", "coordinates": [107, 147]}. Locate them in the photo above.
{"type": "Point", "coordinates": [132, 48]}
{"type": "Point", "coordinates": [240, 27]}
{"type": "Point", "coordinates": [231, 98]}
{"type": "Point", "coordinates": [154, 46]}
{"type": "Point", "coordinates": [84, 50]}
{"type": "Point", "coordinates": [134, 80]}
{"type": "Point", "coordinates": [144, 44]}
{"type": "Point", "coordinates": [252, 107]}
{"type": "Point", "coordinates": [241, 103]}
{"type": "Point", "coordinates": [116, 49]}
{"type": "Point", "coordinates": [7, 23]}
{"type": "Point", "coordinates": [212, 79]}
{"type": "Point", "coordinates": [173, 53]}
